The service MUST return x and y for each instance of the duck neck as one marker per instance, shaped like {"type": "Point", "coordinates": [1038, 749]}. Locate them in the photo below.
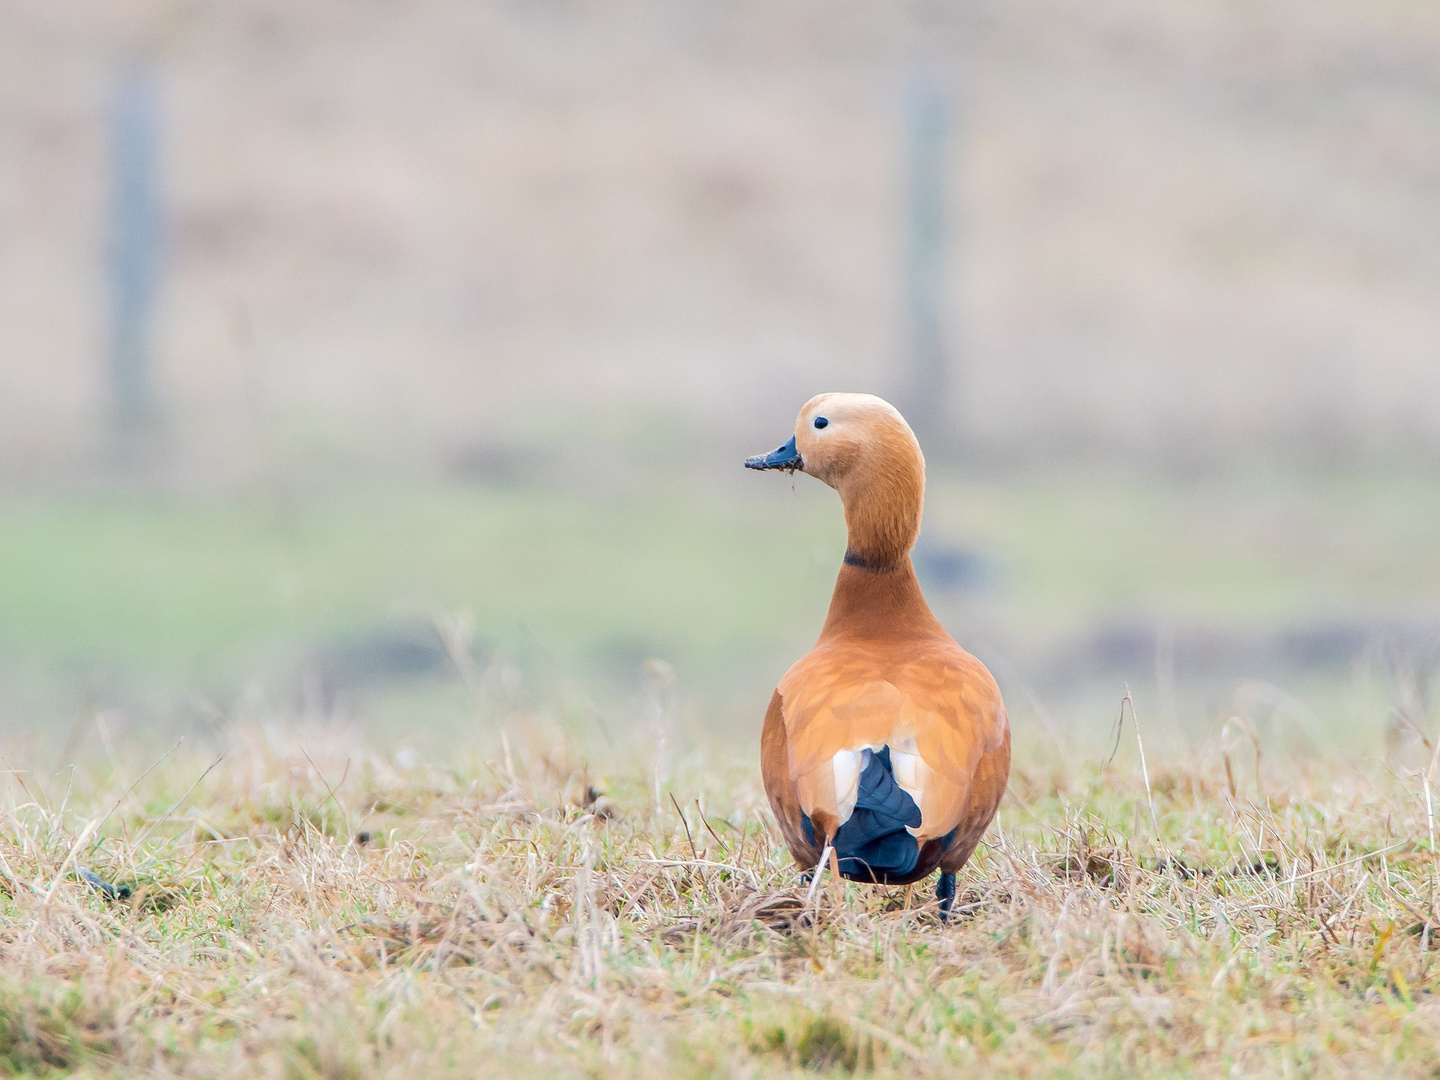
{"type": "Point", "coordinates": [876, 593]}
{"type": "Point", "coordinates": [883, 603]}
{"type": "Point", "coordinates": [882, 504]}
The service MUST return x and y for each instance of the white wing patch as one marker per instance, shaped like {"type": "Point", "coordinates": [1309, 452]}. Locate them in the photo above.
{"type": "Point", "coordinates": [847, 782]}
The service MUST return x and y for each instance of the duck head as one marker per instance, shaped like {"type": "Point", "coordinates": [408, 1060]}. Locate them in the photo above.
{"type": "Point", "coordinates": [862, 447]}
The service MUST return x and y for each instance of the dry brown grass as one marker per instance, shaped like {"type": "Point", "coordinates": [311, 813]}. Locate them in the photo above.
{"type": "Point", "coordinates": [297, 916]}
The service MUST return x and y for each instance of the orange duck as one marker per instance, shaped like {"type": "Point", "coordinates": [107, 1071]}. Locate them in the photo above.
{"type": "Point", "coordinates": [886, 748]}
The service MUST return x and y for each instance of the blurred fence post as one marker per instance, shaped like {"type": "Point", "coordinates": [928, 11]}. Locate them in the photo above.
{"type": "Point", "coordinates": [928, 118]}
{"type": "Point", "coordinates": [134, 249]}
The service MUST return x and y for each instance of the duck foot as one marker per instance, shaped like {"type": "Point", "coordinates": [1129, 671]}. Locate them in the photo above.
{"type": "Point", "coordinates": [945, 893]}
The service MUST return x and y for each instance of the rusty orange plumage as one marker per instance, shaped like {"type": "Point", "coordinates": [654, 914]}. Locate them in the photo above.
{"type": "Point", "coordinates": [884, 679]}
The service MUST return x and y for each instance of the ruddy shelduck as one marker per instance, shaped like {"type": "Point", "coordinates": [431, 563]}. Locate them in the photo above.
{"type": "Point", "coordinates": [886, 748]}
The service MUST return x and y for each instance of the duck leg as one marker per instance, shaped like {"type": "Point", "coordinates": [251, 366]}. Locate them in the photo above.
{"type": "Point", "coordinates": [945, 893]}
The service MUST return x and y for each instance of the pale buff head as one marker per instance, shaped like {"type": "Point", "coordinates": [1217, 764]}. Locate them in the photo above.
{"type": "Point", "coordinates": [861, 446]}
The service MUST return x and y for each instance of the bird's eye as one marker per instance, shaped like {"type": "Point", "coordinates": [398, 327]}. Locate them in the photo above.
{"type": "Point", "coordinates": [821, 422]}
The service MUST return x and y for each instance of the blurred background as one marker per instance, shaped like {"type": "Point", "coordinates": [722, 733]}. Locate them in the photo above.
{"type": "Point", "coordinates": [391, 362]}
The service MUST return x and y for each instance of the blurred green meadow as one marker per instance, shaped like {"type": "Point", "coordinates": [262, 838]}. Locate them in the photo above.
{"type": "Point", "coordinates": [401, 602]}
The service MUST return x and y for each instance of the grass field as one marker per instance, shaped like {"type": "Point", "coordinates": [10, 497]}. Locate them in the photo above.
{"type": "Point", "coordinates": [460, 882]}
{"type": "Point", "coordinates": [308, 908]}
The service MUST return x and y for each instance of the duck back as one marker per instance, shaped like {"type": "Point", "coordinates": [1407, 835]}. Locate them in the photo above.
{"type": "Point", "coordinates": [887, 740]}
